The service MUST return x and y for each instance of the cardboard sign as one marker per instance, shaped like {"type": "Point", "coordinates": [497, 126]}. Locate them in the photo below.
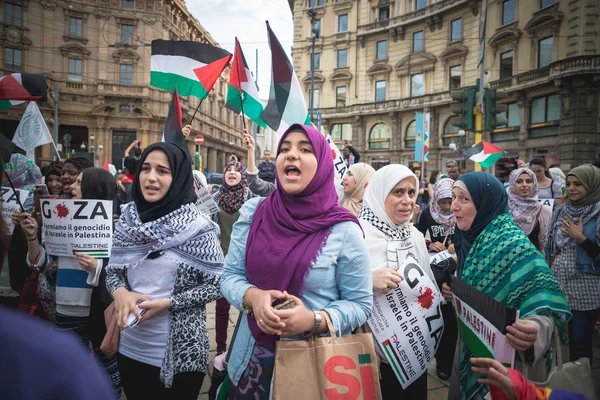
{"type": "Point", "coordinates": [205, 201]}
{"type": "Point", "coordinates": [548, 203]}
{"type": "Point", "coordinates": [435, 258]}
{"type": "Point", "coordinates": [78, 226]}
{"type": "Point", "coordinates": [10, 205]}
{"type": "Point", "coordinates": [407, 323]}
{"type": "Point", "coordinates": [482, 323]}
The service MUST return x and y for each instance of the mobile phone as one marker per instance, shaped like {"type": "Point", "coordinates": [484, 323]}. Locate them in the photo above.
{"type": "Point", "coordinates": [42, 189]}
{"type": "Point", "coordinates": [132, 320]}
{"type": "Point", "coordinates": [139, 143]}
{"type": "Point", "coordinates": [286, 305]}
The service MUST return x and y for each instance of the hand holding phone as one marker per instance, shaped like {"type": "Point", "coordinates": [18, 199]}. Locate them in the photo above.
{"type": "Point", "coordinates": [42, 190]}
{"type": "Point", "coordinates": [132, 320]}
{"type": "Point", "coordinates": [286, 305]}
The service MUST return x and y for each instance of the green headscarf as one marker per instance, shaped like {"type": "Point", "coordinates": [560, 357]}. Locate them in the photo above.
{"type": "Point", "coordinates": [589, 176]}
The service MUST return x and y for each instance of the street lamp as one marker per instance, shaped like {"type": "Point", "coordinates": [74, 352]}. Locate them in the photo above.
{"type": "Point", "coordinates": [82, 146]}
{"type": "Point", "coordinates": [314, 34]}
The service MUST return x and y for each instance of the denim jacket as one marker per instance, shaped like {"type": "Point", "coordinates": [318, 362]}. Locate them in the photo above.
{"type": "Point", "coordinates": [339, 282]}
{"type": "Point", "coordinates": [583, 261]}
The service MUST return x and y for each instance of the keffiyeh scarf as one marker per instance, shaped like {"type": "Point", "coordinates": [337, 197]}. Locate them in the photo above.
{"type": "Point", "coordinates": [524, 209]}
{"type": "Point", "coordinates": [231, 198]}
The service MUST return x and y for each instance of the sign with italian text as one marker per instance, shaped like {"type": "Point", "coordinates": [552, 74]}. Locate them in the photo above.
{"type": "Point", "coordinates": [10, 205]}
{"type": "Point", "coordinates": [77, 226]}
{"type": "Point", "coordinates": [206, 203]}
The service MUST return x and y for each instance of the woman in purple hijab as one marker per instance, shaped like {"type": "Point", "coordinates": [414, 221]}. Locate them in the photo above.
{"type": "Point", "coordinates": [296, 244]}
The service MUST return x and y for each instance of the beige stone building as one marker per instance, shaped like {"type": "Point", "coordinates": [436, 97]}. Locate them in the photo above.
{"type": "Point", "coordinates": [98, 53]}
{"type": "Point", "coordinates": [380, 61]}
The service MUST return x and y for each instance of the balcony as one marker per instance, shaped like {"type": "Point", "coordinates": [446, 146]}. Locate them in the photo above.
{"type": "Point", "coordinates": [108, 89]}
{"type": "Point", "coordinates": [558, 69]}
{"type": "Point", "coordinates": [415, 16]}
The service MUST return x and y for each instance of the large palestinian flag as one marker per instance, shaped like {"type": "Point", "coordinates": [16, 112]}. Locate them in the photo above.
{"type": "Point", "coordinates": [286, 104]}
{"type": "Point", "coordinates": [17, 88]}
{"type": "Point", "coordinates": [191, 67]}
{"type": "Point", "coordinates": [242, 93]}
{"type": "Point", "coordinates": [484, 153]}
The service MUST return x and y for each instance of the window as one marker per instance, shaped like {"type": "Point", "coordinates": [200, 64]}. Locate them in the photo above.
{"type": "Point", "coordinates": [13, 14]}
{"type": "Point", "coordinates": [546, 3]}
{"type": "Point", "coordinates": [126, 74]}
{"type": "Point", "coordinates": [417, 85]}
{"type": "Point", "coordinates": [127, 3]}
{"type": "Point", "coordinates": [342, 23]}
{"type": "Point", "coordinates": [382, 50]}
{"type": "Point", "coordinates": [342, 58]}
{"type": "Point", "coordinates": [545, 51]}
{"type": "Point", "coordinates": [506, 64]}
{"type": "Point", "coordinates": [511, 132]}
{"type": "Point", "coordinates": [455, 75]}
{"type": "Point", "coordinates": [13, 59]}
{"type": "Point", "coordinates": [456, 30]}
{"type": "Point", "coordinates": [312, 3]}
{"type": "Point", "coordinates": [316, 99]}
{"type": "Point", "coordinates": [544, 116]}
{"type": "Point", "coordinates": [380, 90]}
{"type": "Point", "coordinates": [384, 13]}
{"type": "Point", "coordinates": [411, 135]}
{"type": "Point", "coordinates": [340, 96]}
{"type": "Point", "coordinates": [508, 11]}
{"type": "Point", "coordinates": [420, 4]}
{"type": "Point", "coordinates": [317, 61]}
{"type": "Point", "coordinates": [380, 137]}
{"type": "Point", "coordinates": [76, 28]}
{"type": "Point", "coordinates": [127, 34]}
{"type": "Point", "coordinates": [317, 28]}
{"type": "Point", "coordinates": [417, 41]}
{"type": "Point", "coordinates": [75, 73]}
{"type": "Point", "coordinates": [451, 135]}
{"type": "Point", "coordinates": [341, 132]}
{"type": "Point", "coordinates": [124, 108]}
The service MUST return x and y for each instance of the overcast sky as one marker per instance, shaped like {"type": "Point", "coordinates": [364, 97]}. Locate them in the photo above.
{"type": "Point", "coordinates": [226, 19]}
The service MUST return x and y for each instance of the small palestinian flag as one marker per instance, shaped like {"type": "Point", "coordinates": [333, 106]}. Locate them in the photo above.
{"type": "Point", "coordinates": [286, 102]}
{"type": "Point", "coordinates": [242, 94]}
{"type": "Point", "coordinates": [484, 153]}
{"type": "Point", "coordinates": [17, 88]}
{"type": "Point", "coordinates": [191, 67]}
{"type": "Point", "coordinates": [173, 128]}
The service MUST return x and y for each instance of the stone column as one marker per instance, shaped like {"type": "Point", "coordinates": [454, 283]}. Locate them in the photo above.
{"type": "Point", "coordinates": [211, 159]}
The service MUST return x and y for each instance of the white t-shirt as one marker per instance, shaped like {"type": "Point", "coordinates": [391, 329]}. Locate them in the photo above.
{"type": "Point", "coordinates": [146, 342]}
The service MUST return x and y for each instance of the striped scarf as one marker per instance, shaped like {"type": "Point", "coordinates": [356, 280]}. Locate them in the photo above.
{"type": "Point", "coordinates": [504, 264]}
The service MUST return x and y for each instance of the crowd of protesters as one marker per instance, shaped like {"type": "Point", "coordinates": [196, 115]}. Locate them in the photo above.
{"type": "Point", "coordinates": [286, 230]}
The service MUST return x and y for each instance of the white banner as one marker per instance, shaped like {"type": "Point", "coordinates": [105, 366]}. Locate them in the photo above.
{"type": "Point", "coordinates": [78, 226]}
{"type": "Point", "coordinates": [10, 205]}
{"type": "Point", "coordinates": [207, 203]}
{"type": "Point", "coordinates": [548, 203]}
{"type": "Point", "coordinates": [407, 323]}
{"type": "Point", "coordinates": [32, 130]}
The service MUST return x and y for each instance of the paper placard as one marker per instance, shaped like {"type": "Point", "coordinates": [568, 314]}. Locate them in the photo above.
{"type": "Point", "coordinates": [407, 323]}
{"type": "Point", "coordinates": [435, 258]}
{"type": "Point", "coordinates": [10, 205]}
{"type": "Point", "coordinates": [78, 226]}
{"type": "Point", "coordinates": [548, 203]}
{"type": "Point", "coordinates": [206, 202]}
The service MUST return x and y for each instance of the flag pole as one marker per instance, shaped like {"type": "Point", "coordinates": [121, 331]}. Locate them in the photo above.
{"type": "Point", "coordinates": [197, 108]}
{"type": "Point", "coordinates": [13, 188]}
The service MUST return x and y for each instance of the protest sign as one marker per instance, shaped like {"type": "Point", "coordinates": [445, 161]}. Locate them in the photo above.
{"type": "Point", "coordinates": [482, 323]}
{"type": "Point", "coordinates": [339, 164]}
{"type": "Point", "coordinates": [205, 201]}
{"type": "Point", "coordinates": [548, 203]}
{"type": "Point", "coordinates": [407, 323]}
{"type": "Point", "coordinates": [78, 226]}
{"type": "Point", "coordinates": [10, 205]}
{"type": "Point", "coordinates": [435, 258]}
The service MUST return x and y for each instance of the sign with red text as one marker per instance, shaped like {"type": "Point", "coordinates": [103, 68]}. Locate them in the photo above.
{"type": "Point", "coordinates": [407, 323]}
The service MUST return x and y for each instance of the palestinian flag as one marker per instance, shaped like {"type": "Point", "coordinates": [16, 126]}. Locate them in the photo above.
{"type": "Point", "coordinates": [286, 104]}
{"type": "Point", "coordinates": [191, 67]}
{"type": "Point", "coordinates": [173, 128]}
{"type": "Point", "coordinates": [484, 153]}
{"type": "Point", "coordinates": [17, 88]}
{"type": "Point", "coordinates": [242, 93]}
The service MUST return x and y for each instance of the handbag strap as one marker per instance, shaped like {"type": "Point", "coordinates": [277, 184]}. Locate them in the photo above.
{"type": "Point", "coordinates": [235, 331]}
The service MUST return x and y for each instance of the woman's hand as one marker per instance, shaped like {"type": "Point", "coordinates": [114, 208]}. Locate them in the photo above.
{"type": "Point", "coordinates": [437, 247]}
{"type": "Point", "coordinates": [297, 320]}
{"type": "Point", "coordinates": [572, 229]}
{"type": "Point", "coordinates": [154, 307]}
{"type": "Point", "coordinates": [522, 334]}
{"type": "Point", "coordinates": [88, 263]}
{"type": "Point", "coordinates": [261, 301]}
{"type": "Point", "coordinates": [415, 215]}
{"type": "Point", "coordinates": [447, 292]}
{"type": "Point", "coordinates": [497, 375]}
{"type": "Point", "coordinates": [451, 249]}
{"type": "Point", "coordinates": [125, 303]}
{"type": "Point", "coordinates": [28, 224]}
{"type": "Point", "coordinates": [248, 140]}
{"type": "Point", "coordinates": [186, 130]}
{"type": "Point", "coordinates": [385, 279]}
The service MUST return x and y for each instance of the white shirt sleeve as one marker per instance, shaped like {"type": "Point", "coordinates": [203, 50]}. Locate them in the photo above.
{"type": "Point", "coordinates": [94, 277]}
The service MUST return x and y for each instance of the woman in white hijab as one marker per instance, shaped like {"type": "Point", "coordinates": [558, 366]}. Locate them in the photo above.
{"type": "Point", "coordinates": [386, 219]}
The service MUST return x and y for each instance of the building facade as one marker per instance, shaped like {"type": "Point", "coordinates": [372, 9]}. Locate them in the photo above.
{"type": "Point", "coordinates": [97, 53]}
{"type": "Point", "coordinates": [380, 61]}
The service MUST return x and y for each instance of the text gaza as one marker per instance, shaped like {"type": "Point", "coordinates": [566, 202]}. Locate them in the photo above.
{"type": "Point", "coordinates": [82, 212]}
{"type": "Point", "coordinates": [13, 196]}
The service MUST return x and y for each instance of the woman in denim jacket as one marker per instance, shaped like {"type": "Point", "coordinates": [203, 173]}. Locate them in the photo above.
{"type": "Point", "coordinates": [573, 252]}
{"type": "Point", "coordinates": [296, 244]}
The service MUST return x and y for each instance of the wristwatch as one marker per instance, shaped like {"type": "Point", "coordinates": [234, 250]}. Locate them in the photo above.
{"type": "Point", "coordinates": [316, 326]}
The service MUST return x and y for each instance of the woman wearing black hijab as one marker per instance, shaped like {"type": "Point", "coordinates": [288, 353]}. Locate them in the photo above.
{"type": "Point", "coordinates": [165, 266]}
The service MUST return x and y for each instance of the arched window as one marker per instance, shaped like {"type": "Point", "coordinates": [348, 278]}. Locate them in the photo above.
{"type": "Point", "coordinates": [380, 137]}
{"type": "Point", "coordinates": [410, 135]}
{"type": "Point", "coordinates": [450, 135]}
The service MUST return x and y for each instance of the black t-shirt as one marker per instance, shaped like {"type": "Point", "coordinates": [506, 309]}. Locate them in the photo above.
{"type": "Point", "coordinates": [437, 233]}
{"type": "Point", "coordinates": [131, 164]}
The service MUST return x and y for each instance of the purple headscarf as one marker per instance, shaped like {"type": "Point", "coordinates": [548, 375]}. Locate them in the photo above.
{"type": "Point", "coordinates": [289, 231]}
